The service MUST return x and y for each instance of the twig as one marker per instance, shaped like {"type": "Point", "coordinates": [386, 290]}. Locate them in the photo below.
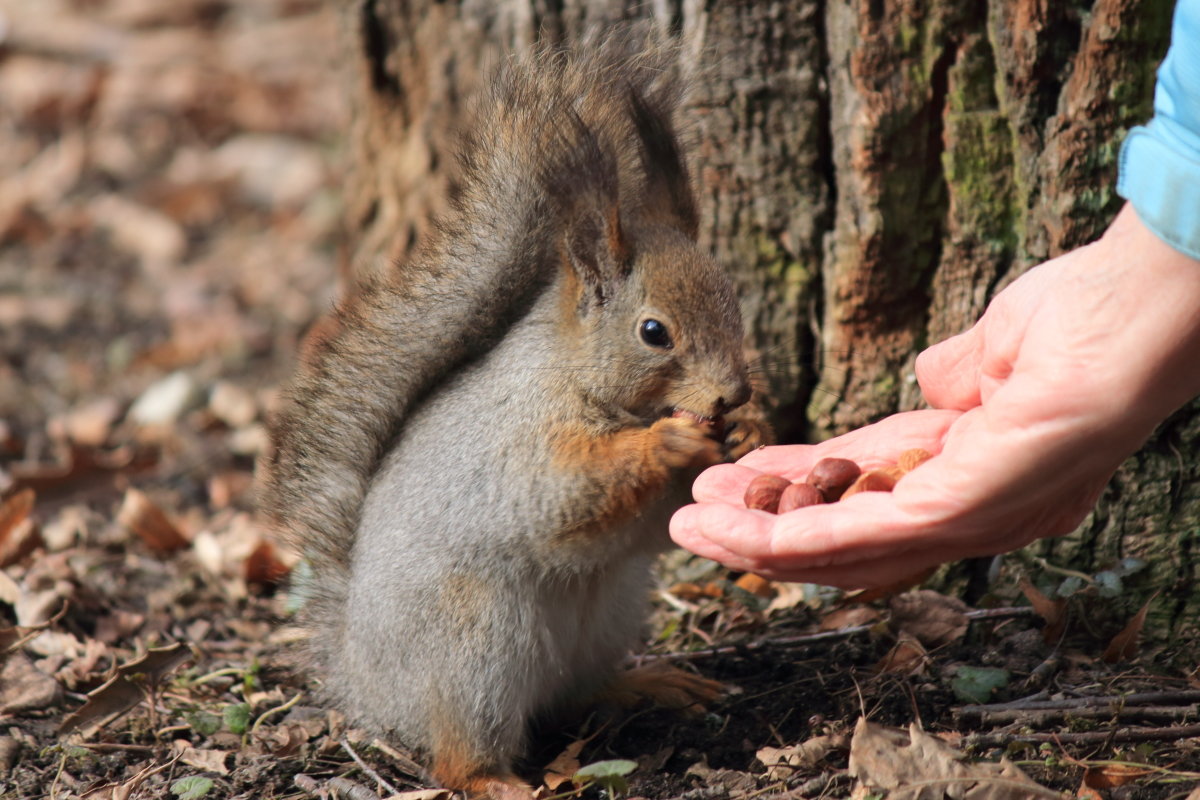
{"type": "Point", "coordinates": [410, 767]}
{"type": "Point", "coordinates": [115, 747]}
{"type": "Point", "coordinates": [366, 768]}
{"type": "Point", "coordinates": [1043, 717]}
{"type": "Point", "coordinates": [273, 711]}
{"type": "Point", "coordinates": [1128, 735]}
{"type": "Point", "coordinates": [1112, 703]}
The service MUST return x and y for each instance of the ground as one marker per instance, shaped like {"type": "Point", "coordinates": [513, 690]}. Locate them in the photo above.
{"type": "Point", "coordinates": [169, 227]}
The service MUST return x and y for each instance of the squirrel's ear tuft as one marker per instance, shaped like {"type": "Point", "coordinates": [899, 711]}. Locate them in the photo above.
{"type": "Point", "coordinates": [596, 251]}
{"type": "Point", "coordinates": [583, 187]}
{"type": "Point", "coordinates": [668, 194]}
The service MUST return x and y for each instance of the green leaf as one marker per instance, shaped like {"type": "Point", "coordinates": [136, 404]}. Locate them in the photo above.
{"type": "Point", "coordinates": [1108, 584]}
{"type": "Point", "coordinates": [976, 684]}
{"type": "Point", "coordinates": [608, 774]}
{"type": "Point", "coordinates": [202, 722]}
{"type": "Point", "coordinates": [191, 788]}
{"type": "Point", "coordinates": [1069, 586]}
{"type": "Point", "coordinates": [237, 717]}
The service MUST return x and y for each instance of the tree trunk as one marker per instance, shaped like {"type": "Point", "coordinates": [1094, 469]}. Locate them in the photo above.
{"type": "Point", "coordinates": [871, 171]}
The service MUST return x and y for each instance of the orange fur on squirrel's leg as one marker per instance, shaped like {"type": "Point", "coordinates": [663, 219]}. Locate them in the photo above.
{"type": "Point", "coordinates": [453, 766]}
{"type": "Point", "coordinates": [663, 685]}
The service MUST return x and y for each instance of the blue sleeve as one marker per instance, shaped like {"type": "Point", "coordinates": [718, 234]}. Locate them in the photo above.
{"type": "Point", "coordinates": [1160, 161]}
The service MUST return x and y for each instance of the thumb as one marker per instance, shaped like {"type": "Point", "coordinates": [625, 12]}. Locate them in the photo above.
{"type": "Point", "coordinates": [949, 371]}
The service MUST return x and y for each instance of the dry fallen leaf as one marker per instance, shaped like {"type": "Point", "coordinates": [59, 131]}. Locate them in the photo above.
{"type": "Point", "coordinates": [1124, 645]}
{"type": "Point", "coordinates": [23, 687]}
{"type": "Point", "coordinates": [930, 617]}
{"type": "Point", "coordinates": [907, 657]}
{"type": "Point", "coordinates": [1109, 776]}
{"type": "Point", "coordinates": [206, 760]}
{"type": "Point", "coordinates": [139, 514]}
{"type": "Point", "coordinates": [565, 764]}
{"type": "Point", "coordinates": [18, 534]}
{"type": "Point", "coordinates": [263, 566]}
{"type": "Point", "coordinates": [1054, 612]}
{"type": "Point", "coordinates": [783, 762]}
{"type": "Point", "coordinates": [850, 617]}
{"type": "Point", "coordinates": [123, 691]}
{"type": "Point", "coordinates": [756, 585]}
{"type": "Point", "coordinates": [908, 765]}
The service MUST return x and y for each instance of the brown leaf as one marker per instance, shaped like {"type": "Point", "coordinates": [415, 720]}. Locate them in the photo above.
{"type": "Point", "coordinates": [1112, 775]}
{"type": "Point", "coordinates": [263, 566]}
{"type": "Point", "coordinates": [17, 534]}
{"type": "Point", "coordinates": [848, 618]}
{"type": "Point", "coordinates": [23, 687]}
{"type": "Point", "coordinates": [124, 791]}
{"type": "Point", "coordinates": [756, 585]}
{"type": "Point", "coordinates": [123, 691]}
{"type": "Point", "coordinates": [692, 592]}
{"type": "Point", "coordinates": [14, 510]}
{"type": "Point", "coordinates": [933, 618]}
{"type": "Point", "coordinates": [565, 764]}
{"type": "Point", "coordinates": [907, 657]}
{"type": "Point", "coordinates": [22, 539]}
{"type": "Point", "coordinates": [1054, 612]}
{"type": "Point", "coordinates": [206, 760]}
{"type": "Point", "coordinates": [783, 762]}
{"type": "Point", "coordinates": [1124, 645]}
{"type": "Point", "coordinates": [905, 764]}
{"type": "Point", "coordinates": [139, 514]}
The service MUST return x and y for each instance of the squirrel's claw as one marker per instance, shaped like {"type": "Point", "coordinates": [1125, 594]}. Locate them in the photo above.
{"type": "Point", "coordinates": [746, 429]}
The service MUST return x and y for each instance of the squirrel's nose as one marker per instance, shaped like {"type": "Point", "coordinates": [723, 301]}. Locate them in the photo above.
{"type": "Point", "coordinates": [738, 395]}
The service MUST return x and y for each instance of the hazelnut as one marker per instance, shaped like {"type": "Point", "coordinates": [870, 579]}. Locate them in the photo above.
{"type": "Point", "coordinates": [799, 495]}
{"type": "Point", "coordinates": [832, 476]}
{"type": "Point", "coordinates": [764, 491]}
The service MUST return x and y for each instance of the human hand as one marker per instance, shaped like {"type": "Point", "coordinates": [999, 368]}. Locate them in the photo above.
{"type": "Point", "coordinates": [1034, 408]}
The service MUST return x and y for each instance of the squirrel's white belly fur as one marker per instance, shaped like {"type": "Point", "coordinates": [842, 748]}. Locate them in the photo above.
{"type": "Point", "coordinates": [423, 582]}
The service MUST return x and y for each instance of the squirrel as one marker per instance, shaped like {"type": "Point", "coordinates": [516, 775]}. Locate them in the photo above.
{"type": "Point", "coordinates": [479, 455]}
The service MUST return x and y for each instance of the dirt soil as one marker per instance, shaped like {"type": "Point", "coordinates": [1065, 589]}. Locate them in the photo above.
{"type": "Point", "coordinates": [169, 228]}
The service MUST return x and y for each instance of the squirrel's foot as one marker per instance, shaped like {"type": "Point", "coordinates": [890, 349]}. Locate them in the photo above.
{"type": "Point", "coordinates": [666, 686]}
{"type": "Point", "coordinates": [746, 429]}
{"type": "Point", "coordinates": [684, 442]}
{"type": "Point", "coordinates": [502, 786]}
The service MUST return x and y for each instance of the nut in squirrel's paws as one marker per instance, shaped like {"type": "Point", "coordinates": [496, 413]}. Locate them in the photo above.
{"type": "Point", "coordinates": [685, 440]}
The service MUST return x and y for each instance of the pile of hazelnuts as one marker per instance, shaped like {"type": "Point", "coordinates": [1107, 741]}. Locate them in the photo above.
{"type": "Point", "coordinates": [830, 480]}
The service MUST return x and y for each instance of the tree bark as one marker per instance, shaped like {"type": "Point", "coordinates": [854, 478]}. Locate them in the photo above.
{"type": "Point", "coordinates": [872, 172]}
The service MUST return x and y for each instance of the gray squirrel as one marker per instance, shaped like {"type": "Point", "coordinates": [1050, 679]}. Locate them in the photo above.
{"type": "Point", "coordinates": [479, 455]}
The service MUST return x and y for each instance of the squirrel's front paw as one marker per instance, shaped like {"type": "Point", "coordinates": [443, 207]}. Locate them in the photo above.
{"type": "Point", "coordinates": [746, 429]}
{"type": "Point", "coordinates": [683, 442]}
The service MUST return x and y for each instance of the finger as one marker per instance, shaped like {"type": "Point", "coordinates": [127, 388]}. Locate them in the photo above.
{"type": "Point", "coordinates": [724, 483]}
{"type": "Point", "coordinates": [949, 372]}
{"type": "Point", "coordinates": [692, 525]}
{"type": "Point", "coordinates": [871, 446]}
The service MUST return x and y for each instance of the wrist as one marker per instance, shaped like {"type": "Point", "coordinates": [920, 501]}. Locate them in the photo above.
{"type": "Point", "coordinates": [1160, 286]}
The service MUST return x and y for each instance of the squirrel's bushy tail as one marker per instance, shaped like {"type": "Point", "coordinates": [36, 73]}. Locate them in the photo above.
{"type": "Point", "coordinates": [555, 128]}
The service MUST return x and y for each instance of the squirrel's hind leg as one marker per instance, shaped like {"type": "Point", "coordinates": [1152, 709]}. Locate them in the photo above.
{"type": "Point", "coordinates": [454, 769]}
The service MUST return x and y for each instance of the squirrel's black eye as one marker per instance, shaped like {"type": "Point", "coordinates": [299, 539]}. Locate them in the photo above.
{"type": "Point", "coordinates": [654, 333]}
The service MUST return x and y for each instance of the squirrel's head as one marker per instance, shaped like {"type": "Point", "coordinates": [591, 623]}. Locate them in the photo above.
{"type": "Point", "coordinates": [656, 320]}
